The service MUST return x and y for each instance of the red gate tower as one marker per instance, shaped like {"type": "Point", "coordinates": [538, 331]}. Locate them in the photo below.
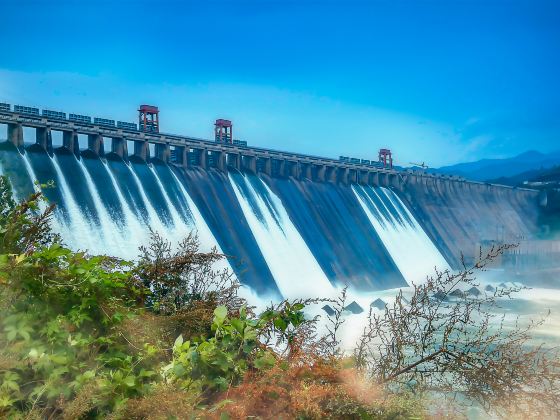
{"type": "Point", "coordinates": [148, 118]}
{"type": "Point", "coordinates": [386, 158]}
{"type": "Point", "coordinates": [223, 131]}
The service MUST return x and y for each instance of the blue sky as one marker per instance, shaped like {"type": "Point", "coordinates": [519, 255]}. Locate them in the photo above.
{"type": "Point", "coordinates": [436, 81]}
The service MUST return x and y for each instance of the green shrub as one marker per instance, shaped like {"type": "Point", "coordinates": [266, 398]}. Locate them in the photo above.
{"type": "Point", "coordinates": [77, 331]}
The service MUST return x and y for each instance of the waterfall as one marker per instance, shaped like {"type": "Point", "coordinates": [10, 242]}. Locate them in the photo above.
{"type": "Point", "coordinates": [32, 176]}
{"type": "Point", "coordinates": [56, 221]}
{"type": "Point", "coordinates": [181, 229]}
{"type": "Point", "coordinates": [113, 234]}
{"type": "Point", "coordinates": [410, 247]}
{"type": "Point", "coordinates": [288, 237]}
{"type": "Point", "coordinates": [296, 271]}
{"type": "Point", "coordinates": [207, 239]}
{"type": "Point", "coordinates": [135, 233]}
{"type": "Point", "coordinates": [154, 221]}
{"type": "Point", "coordinates": [81, 235]}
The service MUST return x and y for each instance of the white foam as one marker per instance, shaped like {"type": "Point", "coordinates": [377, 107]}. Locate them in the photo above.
{"type": "Point", "coordinates": [154, 220]}
{"type": "Point", "coordinates": [82, 235]}
{"type": "Point", "coordinates": [115, 237]}
{"type": "Point", "coordinates": [294, 268]}
{"type": "Point", "coordinates": [205, 236]}
{"type": "Point", "coordinates": [409, 246]}
{"type": "Point", "coordinates": [55, 221]}
{"type": "Point", "coordinates": [181, 229]}
{"type": "Point", "coordinates": [136, 234]}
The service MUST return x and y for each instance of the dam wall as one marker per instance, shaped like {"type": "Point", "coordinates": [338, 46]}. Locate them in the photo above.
{"type": "Point", "coordinates": [286, 232]}
{"type": "Point", "coordinates": [462, 217]}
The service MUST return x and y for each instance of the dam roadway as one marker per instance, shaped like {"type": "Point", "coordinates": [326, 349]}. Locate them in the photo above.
{"type": "Point", "coordinates": [188, 151]}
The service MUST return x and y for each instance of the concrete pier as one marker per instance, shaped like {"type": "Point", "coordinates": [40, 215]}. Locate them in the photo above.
{"type": "Point", "coordinates": [181, 157]}
{"type": "Point", "coordinates": [15, 134]}
{"type": "Point", "coordinates": [95, 144]}
{"type": "Point", "coordinates": [43, 138]}
{"type": "Point", "coordinates": [163, 152]}
{"type": "Point", "coordinates": [142, 150]}
{"type": "Point", "coordinates": [119, 147]}
{"type": "Point", "coordinates": [249, 163]}
{"type": "Point", "coordinates": [70, 142]}
{"type": "Point", "coordinates": [234, 161]}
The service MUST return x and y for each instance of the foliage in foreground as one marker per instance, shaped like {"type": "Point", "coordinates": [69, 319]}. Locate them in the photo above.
{"type": "Point", "coordinates": [97, 337]}
{"type": "Point", "coordinates": [168, 337]}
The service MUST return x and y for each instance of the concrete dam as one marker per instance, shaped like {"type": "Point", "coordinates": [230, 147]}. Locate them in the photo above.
{"type": "Point", "coordinates": [291, 225]}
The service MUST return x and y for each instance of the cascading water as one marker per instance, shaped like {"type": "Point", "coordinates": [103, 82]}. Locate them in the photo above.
{"type": "Point", "coordinates": [31, 174]}
{"type": "Point", "coordinates": [81, 235]}
{"type": "Point", "coordinates": [283, 236]}
{"type": "Point", "coordinates": [135, 233]}
{"type": "Point", "coordinates": [57, 224]}
{"type": "Point", "coordinates": [113, 234]}
{"type": "Point", "coordinates": [181, 229]}
{"type": "Point", "coordinates": [154, 221]}
{"type": "Point", "coordinates": [295, 270]}
{"type": "Point", "coordinates": [207, 239]}
{"type": "Point", "coordinates": [412, 250]}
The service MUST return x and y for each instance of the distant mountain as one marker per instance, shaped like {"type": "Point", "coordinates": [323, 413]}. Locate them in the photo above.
{"type": "Point", "coordinates": [518, 179]}
{"type": "Point", "coordinates": [548, 175]}
{"type": "Point", "coordinates": [544, 175]}
{"type": "Point", "coordinates": [493, 169]}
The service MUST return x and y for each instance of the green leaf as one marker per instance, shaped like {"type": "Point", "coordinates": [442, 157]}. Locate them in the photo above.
{"type": "Point", "coordinates": [248, 347]}
{"type": "Point", "coordinates": [280, 324]}
{"type": "Point", "coordinates": [238, 325]}
{"type": "Point", "coordinates": [58, 359]}
{"type": "Point", "coordinates": [146, 373]}
{"type": "Point", "coordinates": [220, 314]}
{"type": "Point", "coordinates": [243, 312]}
{"type": "Point", "coordinates": [14, 386]}
{"type": "Point", "coordinates": [88, 374]}
{"type": "Point", "coordinates": [129, 381]}
{"type": "Point", "coordinates": [178, 343]}
{"type": "Point", "coordinates": [298, 307]}
{"type": "Point", "coordinates": [222, 383]}
{"type": "Point", "coordinates": [266, 361]}
{"type": "Point", "coordinates": [249, 334]}
{"type": "Point", "coordinates": [6, 401]}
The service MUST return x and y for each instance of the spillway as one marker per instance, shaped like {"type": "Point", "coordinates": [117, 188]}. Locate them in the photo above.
{"type": "Point", "coordinates": [83, 235]}
{"type": "Point", "coordinates": [412, 250]}
{"type": "Point", "coordinates": [459, 217]}
{"type": "Point", "coordinates": [283, 236]}
{"type": "Point", "coordinates": [293, 266]}
{"type": "Point", "coordinates": [338, 233]}
{"type": "Point", "coordinates": [133, 231]}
